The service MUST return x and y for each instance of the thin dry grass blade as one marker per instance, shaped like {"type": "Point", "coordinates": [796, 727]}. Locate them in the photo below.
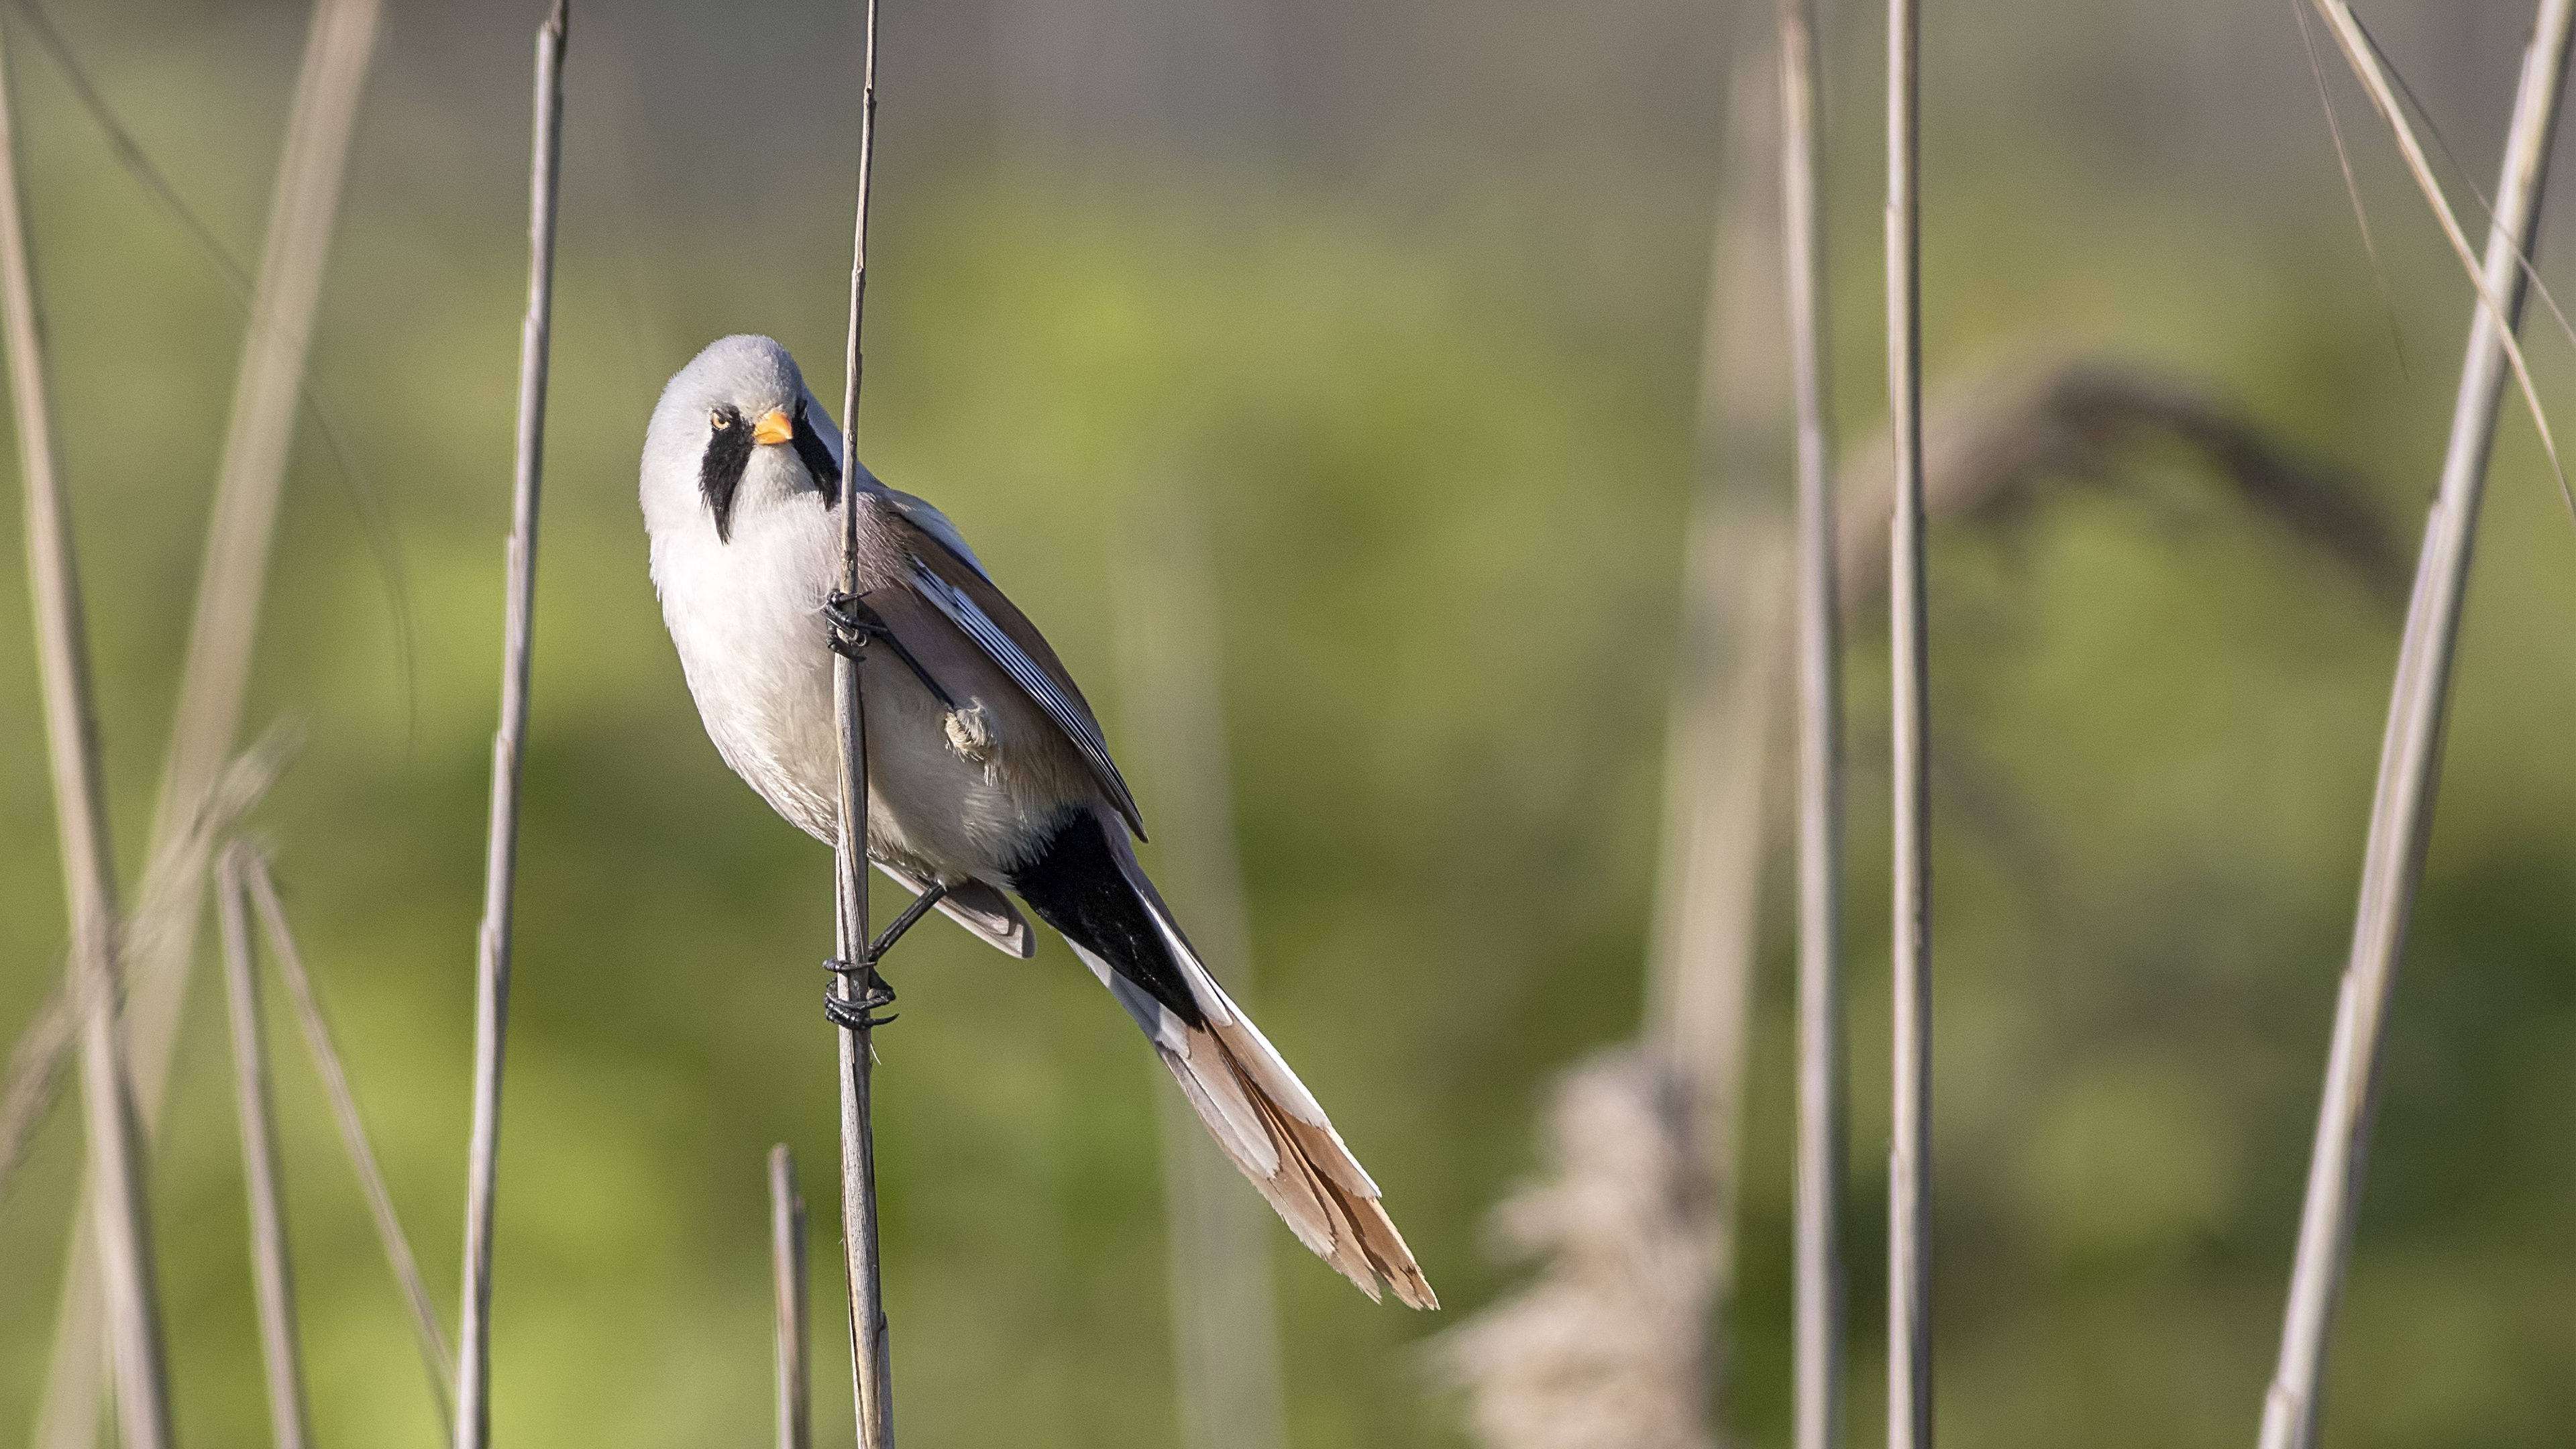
{"type": "Point", "coordinates": [1909, 1203]}
{"type": "Point", "coordinates": [787, 1285]}
{"type": "Point", "coordinates": [272, 1270]}
{"type": "Point", "coordinates": [435, 1357]}
{"type": "Point", "coordinates": [116, 1215]}
{"type": "Point", "coordinates": [223, 633]}
{"type": "Point", "coordinates": [871, 1348]}
{"type": "Point", "coordinates": [36, 1062]}
{"type": "Point", "coordinates": [1224, 1316]}
{"type": "Point", "coordinates": [473, 1425]}
{"type": "Point", "coordinates": [215, 675]}
{"type": "Point", "coordinates": [1817, 1326]}
{"type": "Point", "coordinates": [120, 1212]}
{"type": "Point", "coordinates": [2364, 59]}
{"type": "Point", "coordinates": [2410, 758]}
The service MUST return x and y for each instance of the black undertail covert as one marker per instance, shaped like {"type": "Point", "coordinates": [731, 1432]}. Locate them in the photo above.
{"type": "Point", "coordinates": [1074, 884]}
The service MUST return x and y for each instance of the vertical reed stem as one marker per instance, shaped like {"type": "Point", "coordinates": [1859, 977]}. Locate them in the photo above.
{"type": "Point", "coordinates": [162, 931]}
{"type": "Point", "coordinates": [1225, 1328]}
{"type": "Point", "coordinates": [1909, 1188]}
{"type": "Point", "coordinates": [261, 1173]}
{"type": "Point", "coordinates": [492, 964]}
{"type": "Point", "coordinates": [120, 1217]}
{"type": "Point", "coordinates": [2411, 756]}
{"type": "Point", "coordinates": [787, 1284]}
{"type": "Point", "coordinates": [871, 1367]}
{"type": "Point", "coordinates": [1818, 1326]}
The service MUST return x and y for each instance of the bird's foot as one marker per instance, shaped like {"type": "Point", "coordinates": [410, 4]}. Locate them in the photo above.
{"type": "Point", "coordinates": [874, 996]}
{"type": "Point", "coordinates": [855, 625]}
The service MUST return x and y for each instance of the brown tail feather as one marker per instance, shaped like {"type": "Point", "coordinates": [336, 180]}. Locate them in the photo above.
{"type": "Point", "coordinates": [1312, 1181]}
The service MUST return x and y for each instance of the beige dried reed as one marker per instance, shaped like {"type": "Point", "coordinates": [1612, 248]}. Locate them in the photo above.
{"type": "Point", "coordinates": [473, 1428]}
{"type": "Point", "coordinates": [787, 1287]}
{"type": "Point", "coordinates": [263, 1176]}
{"type": "Point", "coordinates": [871, 1347]}
{"type": "Point", "coordinates": [1909, 1176]}
{"type": "Point", "coordinates": [1816, 1328]}
{"type": "Point", "coordinates": [2411, 754]}
{"type": "Point", "coordinates": [327, 1061]}
{"type": "Point", "coordinates": [119, 1218]}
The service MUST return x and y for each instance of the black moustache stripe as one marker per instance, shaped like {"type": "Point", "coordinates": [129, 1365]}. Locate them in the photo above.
{"type": "Point", "coordinates": [720, 473]}
{"type": "Point", "coordinates": [817, 459]}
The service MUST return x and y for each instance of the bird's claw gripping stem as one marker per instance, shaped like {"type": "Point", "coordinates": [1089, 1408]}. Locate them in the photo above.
{"type": "Point", "coordinates": [855, 625]}
{"type": "Point", "coordinates": [861, 1014]}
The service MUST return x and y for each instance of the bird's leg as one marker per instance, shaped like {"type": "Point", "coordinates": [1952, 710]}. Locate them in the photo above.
{"type": "Point", "coordinates": [920, 907]}
{"type": "Point", "coordinates": [878, 994]}
{"type": "Point", "coordinates": [855, 624]}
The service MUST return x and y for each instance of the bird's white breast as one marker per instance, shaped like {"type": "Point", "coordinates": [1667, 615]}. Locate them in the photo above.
{"type": "Point", "coordinates": [953, 794]}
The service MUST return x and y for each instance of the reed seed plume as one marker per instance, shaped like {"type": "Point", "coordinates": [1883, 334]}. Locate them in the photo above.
{"type": "Point", "coordinates": [1997, 447]}
{"type": "Point", "coordinates": [1606, 1350]}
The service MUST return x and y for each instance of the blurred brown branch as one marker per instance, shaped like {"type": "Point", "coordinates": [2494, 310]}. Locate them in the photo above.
{"type": "Point", "coordinates": [1998, 447]}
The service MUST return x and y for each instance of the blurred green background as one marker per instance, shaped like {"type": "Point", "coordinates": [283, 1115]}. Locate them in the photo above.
{"type": "Point", "coordinates": [1411, 295]}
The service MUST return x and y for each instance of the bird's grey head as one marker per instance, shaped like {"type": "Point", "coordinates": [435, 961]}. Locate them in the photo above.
{"type": "Point", "coordinates": [736, 429]}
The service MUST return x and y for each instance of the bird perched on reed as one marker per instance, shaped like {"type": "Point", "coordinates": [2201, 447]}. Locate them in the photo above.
{"type": "Point", "coordinates": [987, 773]}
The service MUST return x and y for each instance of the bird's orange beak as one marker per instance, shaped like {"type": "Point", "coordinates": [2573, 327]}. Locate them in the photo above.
{"type": "Point", "coordinates": [773, 428]}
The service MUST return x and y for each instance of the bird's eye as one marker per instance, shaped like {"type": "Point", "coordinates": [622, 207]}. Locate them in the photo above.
{"type": "Point", "coordinates": [719, 420]}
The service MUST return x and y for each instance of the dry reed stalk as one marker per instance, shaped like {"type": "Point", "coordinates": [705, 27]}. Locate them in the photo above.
{"type": "Point", "coordinates": [35, 1064]}
{"type": "Point", "coordinates": [120, 1216]}
{"type": "Point", "coordinates": [1817, 1325]}
{"type": "Point", "coordinates": [871, 1349]}
{"type": "Point", "coordinates": [1909, 1188]}
{"type": "Point", "coordinates": [2410, 757]}
{"type": "Point", "coordinates": [262, 1175]}
{"type": "Point", "coordinates": [501, 853]}
{"type": "Point", "coordinates": [1224, 1317]}
{"type": "Point", "coordinates": [2363, 55]}
{"type": "Point", "coordinates": [435, 1357]}
{"type": "Point", "coordinates": [215, 675]}
{"type": "Point", "coordinates": [787, 1285]}
{"type": "Point", "coordinates": [1616, 1344]}
{"type": "Point", "coordinates": [161, 936]}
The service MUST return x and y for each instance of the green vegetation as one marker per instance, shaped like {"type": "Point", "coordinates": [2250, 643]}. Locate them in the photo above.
{"type": "Point", "coordinates": [1446, 475]}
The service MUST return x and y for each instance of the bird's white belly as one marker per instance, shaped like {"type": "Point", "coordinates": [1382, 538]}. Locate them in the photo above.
{"type": "Point", "coordinates": [751, 640]}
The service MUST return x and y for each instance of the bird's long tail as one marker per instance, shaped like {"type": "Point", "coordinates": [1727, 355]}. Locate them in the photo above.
{"type": "Point", "coordinates": [1241, 1087]}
